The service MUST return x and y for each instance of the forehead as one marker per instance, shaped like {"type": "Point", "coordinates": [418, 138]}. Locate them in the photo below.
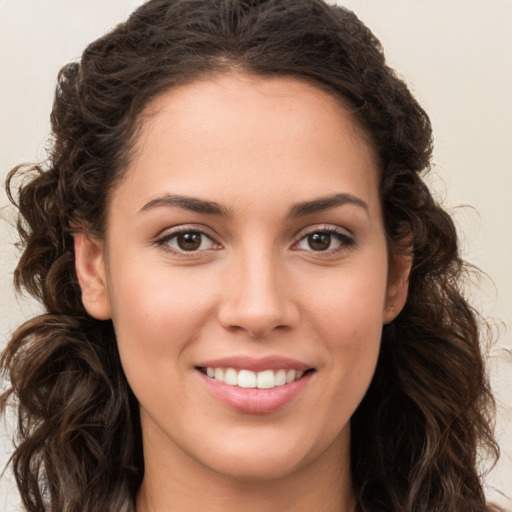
{"type": "Point", "coordinates": [278, 134]}
{"type": "Point", "coordinates": [201, 104]}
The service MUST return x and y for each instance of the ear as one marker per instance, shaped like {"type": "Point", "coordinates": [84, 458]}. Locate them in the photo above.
{"type": "Point", "coordinates": [398, 285]}
{"type": "Point", "coordinates": [90, 270]}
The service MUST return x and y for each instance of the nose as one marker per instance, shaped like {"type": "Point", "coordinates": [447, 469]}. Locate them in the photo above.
{"type": "Point", "coordinates": [258, 298]}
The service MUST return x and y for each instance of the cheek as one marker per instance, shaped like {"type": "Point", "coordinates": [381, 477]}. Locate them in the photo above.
{"type": "Point", "coordinates": [353, 344]}
{"type": "Point", "coordinates": [350, 301]}
{"type": "Point", "coordinates": [347, 319]}
{"type": "Point", "coordinates": [157, 318]}
{"type": "Point", "coordinates": [156, 315]}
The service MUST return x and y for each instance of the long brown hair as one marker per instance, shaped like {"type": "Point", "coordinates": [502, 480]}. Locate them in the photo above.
{"type": "Point", "coordinates": [428, 411]}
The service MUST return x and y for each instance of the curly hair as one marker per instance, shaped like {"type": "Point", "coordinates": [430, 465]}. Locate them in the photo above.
{"type": "Point", "coordinates": [418, 433]}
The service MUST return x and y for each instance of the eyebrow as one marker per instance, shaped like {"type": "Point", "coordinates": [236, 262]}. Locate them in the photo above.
{"type": "Point", "coordinates": [212, 208]}
{"type": "Point", "coordinates": [326, 203]}
{"type": "Point", "coordinates": [187, 203]}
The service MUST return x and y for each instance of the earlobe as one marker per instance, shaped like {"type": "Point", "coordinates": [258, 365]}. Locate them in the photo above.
{"type": "Point", "coordinates": [398, 286]}
{"type": "Point", "coordinates": [90, 271]}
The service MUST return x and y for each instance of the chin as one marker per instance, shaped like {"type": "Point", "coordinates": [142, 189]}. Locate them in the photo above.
{"type": "Point", "coordinates": [267, 458]}
{"type": "Point", "coordinates": [257, 467]}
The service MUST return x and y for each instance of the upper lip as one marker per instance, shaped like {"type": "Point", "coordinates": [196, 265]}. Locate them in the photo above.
{"type": "Point", "coordinates": [256, 364]}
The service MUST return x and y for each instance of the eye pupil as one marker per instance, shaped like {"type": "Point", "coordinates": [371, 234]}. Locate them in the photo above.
{"type": "Point", "coordinates": [319, 241]}
{"type": "Point", "coordinates": [189, 241]}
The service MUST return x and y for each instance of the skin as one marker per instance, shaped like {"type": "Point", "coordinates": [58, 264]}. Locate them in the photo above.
{"type": "Point", "coordinates": [258, 148]}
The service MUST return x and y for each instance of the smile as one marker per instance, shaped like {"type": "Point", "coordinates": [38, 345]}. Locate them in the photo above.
{"type": "Point", "coordinates": [255, 385]}
{"type": "Point", "coordinates": [266, 379]}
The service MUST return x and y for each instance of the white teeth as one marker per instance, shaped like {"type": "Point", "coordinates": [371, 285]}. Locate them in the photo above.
{"type": "Point", "coordinates": [246, 379]}
{"type": "Point", "coordinates": [280, 377]}
{"type": "Point", "coordinates": [266, 379]}
{"type": "Point", "coordinates": [230, 377]}
{"type": "Point", "coordinates": [219, 374]}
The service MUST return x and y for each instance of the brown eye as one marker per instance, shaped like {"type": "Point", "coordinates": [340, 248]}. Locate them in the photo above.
{"type": "Point", "coordinates": [189, 241]}
{"type": "Point", "coordinates": [319, 241]}
{"type": "Point", "coordinates": [326, 240]}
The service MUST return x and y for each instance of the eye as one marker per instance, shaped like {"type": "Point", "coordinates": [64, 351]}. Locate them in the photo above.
{"type": "Point", "coordinates": [325, 240]}
{"type": "Point", "coordinates": [189, 240]}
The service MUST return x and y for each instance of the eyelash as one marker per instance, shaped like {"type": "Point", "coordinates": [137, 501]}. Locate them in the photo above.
{"type": "Point", "coordinates": [164, 240]}
{"type": "Point", "coordinates": [346, 241]}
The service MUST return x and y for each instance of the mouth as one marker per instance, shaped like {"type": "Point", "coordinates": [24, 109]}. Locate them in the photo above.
{"type": "Point", "coordinates": [256, 385]}
{"type": "Point", "coordinates": [248, 379]}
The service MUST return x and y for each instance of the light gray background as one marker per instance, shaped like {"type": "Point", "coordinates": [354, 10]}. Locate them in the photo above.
{"type": "Point", "coordinates": [455, 54]}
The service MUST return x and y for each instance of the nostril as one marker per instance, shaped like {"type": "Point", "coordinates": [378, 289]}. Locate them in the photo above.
{"type": "Point", "coordinates": [256, 298]}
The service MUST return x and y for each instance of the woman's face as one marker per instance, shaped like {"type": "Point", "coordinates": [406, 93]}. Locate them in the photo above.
{"type": "Point", "coordinates": [246, 244]}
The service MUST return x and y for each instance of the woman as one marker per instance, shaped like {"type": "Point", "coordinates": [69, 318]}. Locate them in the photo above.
{"type": "Point", "coordinates": [252, 298]}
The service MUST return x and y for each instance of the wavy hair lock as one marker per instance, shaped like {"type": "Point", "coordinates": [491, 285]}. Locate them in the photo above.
{"type": "Point", "coordinates": [429, 407]}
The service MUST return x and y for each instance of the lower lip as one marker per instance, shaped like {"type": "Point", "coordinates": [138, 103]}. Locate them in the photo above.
{"type": "Point", "coordinates": [253, 400]}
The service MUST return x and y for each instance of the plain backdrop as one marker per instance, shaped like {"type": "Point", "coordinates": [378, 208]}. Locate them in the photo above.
{"type": "Point", "coordinates": [456, 55]}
